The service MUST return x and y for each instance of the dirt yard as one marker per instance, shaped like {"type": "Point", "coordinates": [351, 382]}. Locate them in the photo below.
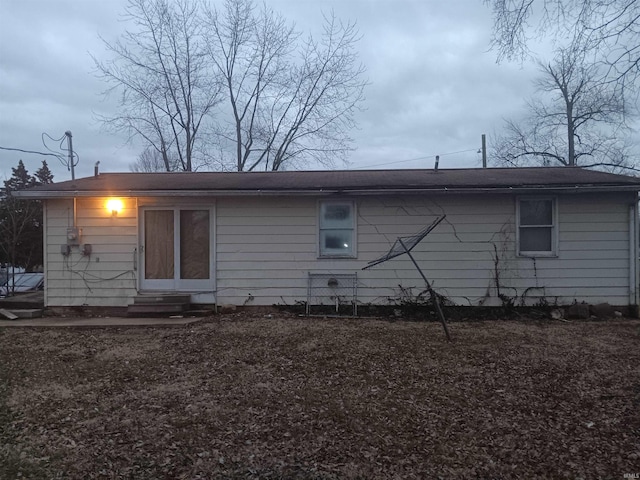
{"type": "Point", "coordinates": [250, 397]}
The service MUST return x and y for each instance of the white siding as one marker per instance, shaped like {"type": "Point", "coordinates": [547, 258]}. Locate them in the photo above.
{"type": "Point", "coordinates": [106, 277]}
{"type": "Point", "coordinates": [265, 248]}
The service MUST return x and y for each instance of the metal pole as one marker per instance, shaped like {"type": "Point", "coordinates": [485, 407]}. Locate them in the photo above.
{"type": "Point", "coordinates": [70, 145]}
{"type": "Point", "coordinates": [434, 297]}
{"type": "Point", "coordinates": [484, 151]}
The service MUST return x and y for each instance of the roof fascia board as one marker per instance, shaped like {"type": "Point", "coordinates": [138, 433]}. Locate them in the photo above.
{"type": "Point", "coordinates": [327, 191]}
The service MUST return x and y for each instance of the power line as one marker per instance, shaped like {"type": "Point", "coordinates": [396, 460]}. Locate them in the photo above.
{"type": "Point", "coordinates": [30, 151]}
{"type": "Point", "coordinates": [70, 163]}
{"type": "Point", "coordinates": [416, 158]}
{"type": "Point", "coordinates": [62, 156]}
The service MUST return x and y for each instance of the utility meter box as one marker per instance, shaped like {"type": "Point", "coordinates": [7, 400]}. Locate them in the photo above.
{"type": "Point", "coordinates": [73, 235]}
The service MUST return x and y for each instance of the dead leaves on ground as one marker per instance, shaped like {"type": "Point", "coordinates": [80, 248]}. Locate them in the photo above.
{"type": "Point", "coordinates": [296, 398]}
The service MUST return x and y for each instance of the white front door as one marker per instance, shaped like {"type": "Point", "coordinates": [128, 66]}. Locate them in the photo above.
{"type": "Point", "coordinates": [176, 249]}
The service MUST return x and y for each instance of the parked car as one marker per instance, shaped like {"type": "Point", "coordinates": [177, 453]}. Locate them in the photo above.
{"type": "Point", "coordinates": [22, 282]}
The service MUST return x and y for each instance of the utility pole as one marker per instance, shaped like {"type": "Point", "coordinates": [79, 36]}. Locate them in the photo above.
{"type": "Point", "coordinates": [70, 146]}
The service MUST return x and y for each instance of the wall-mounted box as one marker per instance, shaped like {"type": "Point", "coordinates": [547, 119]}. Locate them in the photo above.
{"type": "Point", "coordinates": [73, 235]}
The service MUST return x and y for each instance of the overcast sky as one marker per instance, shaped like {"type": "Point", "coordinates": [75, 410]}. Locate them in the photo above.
{"type": "Point", "coordinates": [434, 85]}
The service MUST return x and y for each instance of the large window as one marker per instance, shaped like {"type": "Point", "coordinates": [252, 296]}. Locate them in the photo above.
{"type": "Point", "coordinates": [537, 226]}
{"type": "Point", "coordinates": [337, 229]}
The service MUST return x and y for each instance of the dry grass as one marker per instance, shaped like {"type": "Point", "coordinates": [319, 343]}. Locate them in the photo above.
{"type": "Point", "coordinates": [243, 397]}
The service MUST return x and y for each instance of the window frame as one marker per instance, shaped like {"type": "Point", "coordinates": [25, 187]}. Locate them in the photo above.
{"type": "Point", "coordinates": [554, 227]}
{"type": "Point", "coordinates": [177, 284]}
{"type": "Point", "coordinates": [354, 232]}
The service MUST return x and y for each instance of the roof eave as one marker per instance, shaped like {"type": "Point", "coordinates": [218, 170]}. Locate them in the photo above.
{"type": "Point", "coordinates": [326, 191]}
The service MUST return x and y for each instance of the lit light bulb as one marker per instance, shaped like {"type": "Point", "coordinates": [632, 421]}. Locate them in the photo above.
{"type": "Point", "coordinates": [114, 205]}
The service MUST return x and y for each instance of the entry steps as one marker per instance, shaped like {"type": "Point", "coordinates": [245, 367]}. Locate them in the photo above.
{"type": "Point", "coordinates": [18, 313]}
{"type": "Point", "coordinates": [159, 305]}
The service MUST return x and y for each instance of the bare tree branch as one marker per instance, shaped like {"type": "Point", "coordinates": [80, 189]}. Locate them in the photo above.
{"type": "Point", "coordinates": [607, 30]}
{"type": "Point", "coordinates": [289, 102]}
{"type": "Point", "coordinates": [239, 73]}
{"type": "Point", "coordinates": [574, 116]}
{"type": "Point", "coordinates": [166, 86]}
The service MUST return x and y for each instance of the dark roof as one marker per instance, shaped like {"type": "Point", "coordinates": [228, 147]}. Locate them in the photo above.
{"type": "Point", "coordinates": [335, 181]}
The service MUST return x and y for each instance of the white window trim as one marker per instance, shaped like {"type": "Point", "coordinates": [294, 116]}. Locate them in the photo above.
{"type": "Point", "coordinates": [554, 229]}
{"type": "Point", "coordinates": [354, 252]}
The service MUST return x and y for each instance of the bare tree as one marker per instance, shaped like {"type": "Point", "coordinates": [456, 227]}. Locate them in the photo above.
{"type": "Point", "coordinates": [150, 160]}
{"type": "Point", "coordinates": [576, 119]}
{"type": "Point", "coordinates": [608, 29]}
{"type": "Point", "coordinates": [166, 86]}
{"type": "Point", "coordinates": [290, 101]}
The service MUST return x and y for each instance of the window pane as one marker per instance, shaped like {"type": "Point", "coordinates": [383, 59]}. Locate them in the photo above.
{"type": "Point", "coordinates": [158, 237]}
{"type": "Point", "coordinates": [194, 244]}
{"type": "Point", "coordinates": [336, 215]}
{"type": "Point", "coordinates": [535, 239]}
{"type": "Point", "coordinates": [336, 242]}
{"type": "Point", "coordinates": [536, 212]}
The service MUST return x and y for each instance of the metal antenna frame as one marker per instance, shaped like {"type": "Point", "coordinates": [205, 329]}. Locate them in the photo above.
{"type": "Point", "coordinates": [411, 242]}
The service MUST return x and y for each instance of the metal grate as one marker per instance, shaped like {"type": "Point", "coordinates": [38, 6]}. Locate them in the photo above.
{"type": "Point", "coordinates": [332, 294]}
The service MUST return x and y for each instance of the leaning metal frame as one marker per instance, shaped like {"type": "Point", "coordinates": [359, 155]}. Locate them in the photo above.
{"type": "Point", "coordinates": [403, 246]}
{"type": "Point", "coordinates": [332, 288]}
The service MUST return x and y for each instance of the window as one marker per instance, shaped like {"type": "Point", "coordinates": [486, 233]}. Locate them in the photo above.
{"type": "Point", "coordinates": [537, 226]}
{"type": "Point", "coordinates": [337, 232]}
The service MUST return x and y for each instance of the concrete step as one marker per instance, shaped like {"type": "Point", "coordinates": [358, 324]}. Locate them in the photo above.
{"type": "Point", "coordinates": [201, 312]}
{"type": "Point", "coordinates": [18, 313]}
{"type": "Point", "coordinates": [161, 298]}
{"type": "Point", "coordinates": [156, 309]}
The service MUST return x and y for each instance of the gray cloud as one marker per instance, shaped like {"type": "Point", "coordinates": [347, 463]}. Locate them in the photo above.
{"type": "Point", "coordinates": [434, 87]}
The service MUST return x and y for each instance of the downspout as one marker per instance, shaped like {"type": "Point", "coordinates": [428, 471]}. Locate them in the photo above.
{"type": "Point", "coordinates": [633, 258]}
{"type": "Point", "coordinates": [137, 251]}
{"type": "Point", "coordinates": [45, 256]}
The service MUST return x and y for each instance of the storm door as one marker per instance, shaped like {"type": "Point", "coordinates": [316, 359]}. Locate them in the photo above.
{"type": "Point", "coordinates": [176, 249]}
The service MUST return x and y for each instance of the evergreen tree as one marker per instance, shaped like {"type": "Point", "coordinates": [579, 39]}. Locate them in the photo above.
{"type": "Point", "coordinates": [20, 178]}
{"type": "Point", "coordinates": [21, 234]}
{"type": "Point", "coordinates": [43, 175]}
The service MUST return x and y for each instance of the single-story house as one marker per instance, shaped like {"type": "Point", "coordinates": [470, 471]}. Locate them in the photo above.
{"type": "Point", "coordinates": [527, 235]}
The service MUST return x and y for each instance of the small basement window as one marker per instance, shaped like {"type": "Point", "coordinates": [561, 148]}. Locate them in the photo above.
{"type": "Point", "coordinates": [537, 226]}
{"type": "Point", "coordinates": [337, 229]}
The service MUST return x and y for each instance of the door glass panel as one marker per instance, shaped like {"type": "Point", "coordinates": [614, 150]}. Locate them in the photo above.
{"type": "Point", "coordinates": [159, 244]}
{"type": "Point", "coordinates": [194, 244]}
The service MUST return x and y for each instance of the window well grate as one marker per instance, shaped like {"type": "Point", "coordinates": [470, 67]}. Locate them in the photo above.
{"type": "Point", "coordinates": [332, 294]}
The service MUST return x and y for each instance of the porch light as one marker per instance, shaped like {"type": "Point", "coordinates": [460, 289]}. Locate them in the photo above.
{"type": "Point", "coordinates": [114, 205]}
